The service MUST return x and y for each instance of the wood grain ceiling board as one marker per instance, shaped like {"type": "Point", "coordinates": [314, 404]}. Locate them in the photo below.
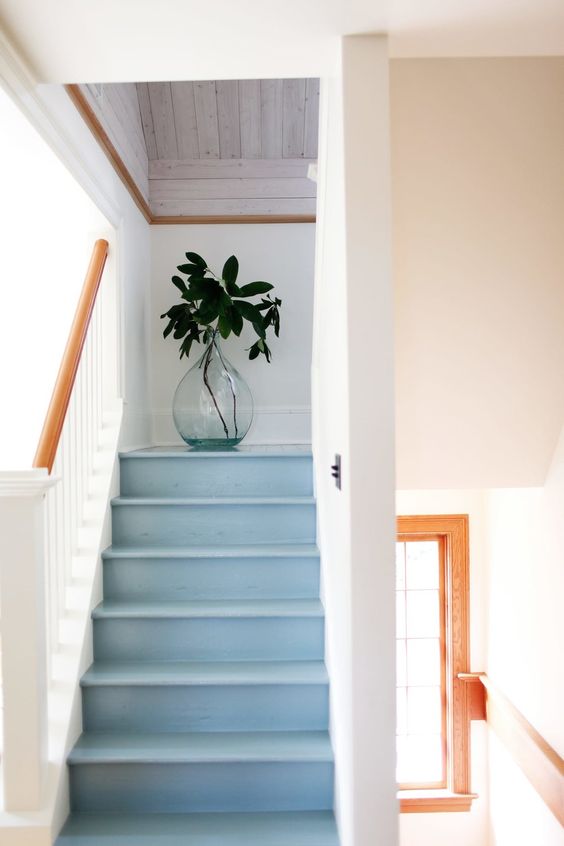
{"type": "Point", "coordinates": [215, 147]}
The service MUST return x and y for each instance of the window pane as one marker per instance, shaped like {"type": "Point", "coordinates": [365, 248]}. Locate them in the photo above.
{"type": "Point", "coordinates": [423, 662]}
{"type": "Point", "coordinates": [424, 710]}
{"type": "Point", "coordinates": [423, 618]}
{"type": "Point", "coordinates": [401, 711]}
{"type": "Point", "coordinates": [401, 663]}
{"type": "Point", "coordinates": [419, 759]}
{"type": "Point", "coordinates": [400, 566]}
{"type": "Point", "coordinates": [422, 564]}
{"type": "Point", "coordinates": [400, 613]}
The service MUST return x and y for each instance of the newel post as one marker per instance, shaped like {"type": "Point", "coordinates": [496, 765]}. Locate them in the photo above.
{"type": "Point", "coordinates": [22, 622]}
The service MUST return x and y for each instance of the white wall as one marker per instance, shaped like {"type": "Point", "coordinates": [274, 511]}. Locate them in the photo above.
{"type": "Point", "coordinates": [353, 416]}
{"type": "Point", "coordinates": [525, 636]}
{"type": "Point", "coordinates": [48, 227]}
{"type": "Point", "coordinates": [86, 161]}
{"type": "Point", "coordinates": [282, 254]}
{"type": "Point", "coordinates": [465, 828]}
{"type": "Point", "coordinates": [478, 199]}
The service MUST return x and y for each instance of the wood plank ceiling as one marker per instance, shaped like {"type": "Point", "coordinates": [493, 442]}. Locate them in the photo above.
{"type": "Point", "coordinates": [227, 148]}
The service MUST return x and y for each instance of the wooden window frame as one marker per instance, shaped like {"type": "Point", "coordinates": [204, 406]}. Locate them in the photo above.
{"type": "Point", "coordinates": [452, 529]}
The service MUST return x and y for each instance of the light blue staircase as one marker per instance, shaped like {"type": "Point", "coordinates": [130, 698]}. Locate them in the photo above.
{"type": "Point", "coordinates": [205, 712]}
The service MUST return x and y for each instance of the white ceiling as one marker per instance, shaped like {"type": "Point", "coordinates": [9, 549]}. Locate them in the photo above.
{"type": "Point", "coordinates": [127, 40]}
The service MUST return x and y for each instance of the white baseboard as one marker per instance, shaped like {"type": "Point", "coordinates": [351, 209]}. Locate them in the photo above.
{"type": "Point", "coordinates": [270, 426]}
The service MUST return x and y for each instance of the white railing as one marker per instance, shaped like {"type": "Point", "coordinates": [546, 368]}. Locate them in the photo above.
{"type": "Point", "coordinates": [52, 524]}
{"type": "Point", "coordinates": [74, 467]}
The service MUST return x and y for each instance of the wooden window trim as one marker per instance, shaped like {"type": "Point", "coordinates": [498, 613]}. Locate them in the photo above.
{"type": "Point", "coordinates": [453, 528]}
{"type": "Point", "coordinates": [434, 801]}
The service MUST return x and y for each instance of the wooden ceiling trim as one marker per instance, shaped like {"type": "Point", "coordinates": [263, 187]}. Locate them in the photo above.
{"type": "Point", "coordinates": [119, 120]}
{"type": "Point", "coordinates": [206, 115]}
{"type": "Point", "coordinates": [93, 123]}
{"type": "Point", "coordinates": [196, 220]}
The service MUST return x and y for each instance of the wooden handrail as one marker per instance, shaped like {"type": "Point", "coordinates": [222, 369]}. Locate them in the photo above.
{"type": "Point", "coordinates": [540, 763]}
{"type": "Point", "coordinates": [57, 411]}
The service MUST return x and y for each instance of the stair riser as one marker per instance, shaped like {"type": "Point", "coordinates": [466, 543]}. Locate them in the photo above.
{"type": "Point", "coordinates": [217, 476]}
{"type": "Point", "coordinates": [142, 579]}
{"type": "Point", "coordinates": [203, 525]}
{"type": "Point", "coordinates": [209, 639]}
{"type": "Point", "coordinates": [184, 788]}
{"type": "Point", "coordinates": [206, 708]}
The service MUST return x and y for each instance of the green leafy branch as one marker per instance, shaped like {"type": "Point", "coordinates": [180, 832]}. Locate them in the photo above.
{"type": "Point", "coordinates": [212, 303]}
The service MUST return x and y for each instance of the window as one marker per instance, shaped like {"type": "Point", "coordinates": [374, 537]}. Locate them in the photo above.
{"type": "Point", "coordinates": [433, 718]}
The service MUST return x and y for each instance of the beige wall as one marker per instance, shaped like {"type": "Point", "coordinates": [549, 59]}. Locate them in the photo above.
{"type": "Point", "coordinates": [478, 217]}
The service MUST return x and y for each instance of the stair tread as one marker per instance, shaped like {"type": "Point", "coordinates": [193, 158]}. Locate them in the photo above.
{"type": "Point", "coordinates": [273, 550]}
{"type": "Point", "coordinates": [201, 747]}
{"type": "Point", "coordinates": [175, 609]}
{"type": "Point", "coordinates": [289, 828]}
{"type": "Point", "coordinates": [141, 673]}
{"type": "Point", "coordinates": [213, 500]}
{"type": "Point", "coordinates": [254, 451]}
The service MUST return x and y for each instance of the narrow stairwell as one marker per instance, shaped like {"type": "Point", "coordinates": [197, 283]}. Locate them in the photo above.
{"type": "Point", "coordinates": [205, 712]}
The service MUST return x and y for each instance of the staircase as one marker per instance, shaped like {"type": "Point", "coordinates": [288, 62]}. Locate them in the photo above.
{"type": "Point", "coordinates": [205, 712]}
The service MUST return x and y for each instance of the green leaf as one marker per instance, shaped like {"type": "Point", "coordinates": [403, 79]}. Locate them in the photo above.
{"type": "Point", "coordinates": [236, 321]}
{"type": "Point", "coordinates": [233, 289]}
{"type": "Point", "coordinates": [168, 329]}
{"type": "Point", "coordinates": [180, 284]}
{"type": "Point", "coordinates": [254, 288]}
{"type": "Point", "coordinates": [259, 329]}
{"type": "Point", "coordinates": [191, 269]}
{"type": "Point", "coordinates": [224, 302]}
{"type": "Point", "coordinates": [230, 270]}
{"type": "Point", "coordinates": [201, 288]}
{"type": "Point", "coordinates": [249, 311]}
{"type": "Point", "coordinates": [196, 259]}
{"type": "Point", "coordinates": [174, 311]}
{"type": "Point", "coordinates": [254, 352]}
{"type": "Point", "coordinates": [224, 325]}
{"type": "Point", "coordinates": [207, 312]}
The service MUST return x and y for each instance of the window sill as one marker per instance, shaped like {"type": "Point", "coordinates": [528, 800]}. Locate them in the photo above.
{"type": "Point", "coordinates": [434, 801]}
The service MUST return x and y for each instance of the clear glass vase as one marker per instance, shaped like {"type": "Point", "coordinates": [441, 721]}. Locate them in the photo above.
{"type": "Point", "coordinates": [213, 405]}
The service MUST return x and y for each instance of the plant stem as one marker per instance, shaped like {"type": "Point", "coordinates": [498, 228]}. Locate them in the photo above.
{"type": "Point", "coordinates": [230, 380]}
{"type": "Point", "coordinates": [207, 384]}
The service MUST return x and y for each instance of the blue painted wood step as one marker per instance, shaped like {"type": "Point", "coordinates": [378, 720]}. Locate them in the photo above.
{"type": "Point", "coordinates": [183, 773]}
{"type": "Point", "coordinates": [188, 788]}
{"type": "Point", "coordinates": [310, 828]}
{"type": "Point", "coordinates": [254, 630]}
{"type": "Point", "coordinates": [236, 572]}
{"type": "Point", "coordinates": [206, 521]}
{"type": "Point", "coordinates": [200, 696]}
{"type": "Point", "coordinates": [205, 713]}
{"type": "Point", "coordinates": [242, 472]}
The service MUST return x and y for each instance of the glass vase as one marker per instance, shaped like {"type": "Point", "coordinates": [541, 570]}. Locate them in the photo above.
{"type": "Point", "coordinates": [212, 405]}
